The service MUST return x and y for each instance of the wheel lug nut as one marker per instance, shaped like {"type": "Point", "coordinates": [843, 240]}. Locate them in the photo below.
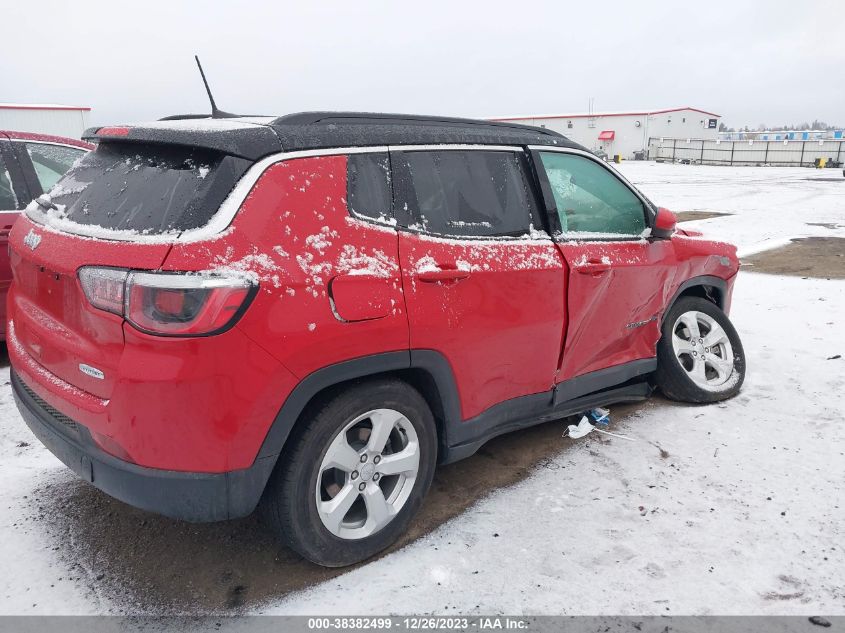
{"type": "Point", "coordinates": [354, 474]}
{"type": "Point", "coordinates": [363, 458]}
{"type": "Point", "coordinates": [376, 459]}
{"type": "Point", "coordinates": [376, 477]}
{"type": "Point", "coordinates": [361, 486]}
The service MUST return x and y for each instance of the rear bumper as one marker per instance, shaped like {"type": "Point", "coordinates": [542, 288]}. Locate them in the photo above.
{"type": "Point", "coordinates": [197, 497]}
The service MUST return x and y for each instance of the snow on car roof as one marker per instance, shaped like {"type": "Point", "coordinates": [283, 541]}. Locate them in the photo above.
{"type": "Point", "coordinates": [207, 124]}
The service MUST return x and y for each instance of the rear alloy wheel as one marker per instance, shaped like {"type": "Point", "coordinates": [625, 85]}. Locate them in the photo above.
{"type": "Point", "coordinates": [368, 474]}
{"type": "Point", "coordinates": [354, 473]}
{"type": "Point", "coordinates": [700, 356]}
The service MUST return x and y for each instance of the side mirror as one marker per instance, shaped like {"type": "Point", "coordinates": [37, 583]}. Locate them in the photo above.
{"type": "Point", "coordinates": [664, 224]}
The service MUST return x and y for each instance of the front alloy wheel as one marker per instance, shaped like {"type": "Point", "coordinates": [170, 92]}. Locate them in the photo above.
{"type": "Point", "coordinates": [703, 349]}
{"type": "Point", "coordinates": [699, 356]}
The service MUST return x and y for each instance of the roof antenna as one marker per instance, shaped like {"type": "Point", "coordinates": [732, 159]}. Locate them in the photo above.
{"type": "Point", "coordinates": [215, 112]}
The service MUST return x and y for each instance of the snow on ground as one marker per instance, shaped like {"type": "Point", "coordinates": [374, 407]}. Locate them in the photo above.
{"type": "Point", "coordinates": [729, 508]}
{"type": "Point", "coordinates": [769, 204]}
{"type": "Point", "coordinates": [28, 582]}
{"type": "Point", "coordinates": [744, 515]}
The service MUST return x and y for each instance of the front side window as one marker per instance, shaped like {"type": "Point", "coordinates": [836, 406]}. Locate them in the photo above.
{"type": "Point", "coordinates": [459, 193]}
{"type": "Point", "coordinates": [590, 199]}
{"type": "Point", "coordinates": [51, 161]}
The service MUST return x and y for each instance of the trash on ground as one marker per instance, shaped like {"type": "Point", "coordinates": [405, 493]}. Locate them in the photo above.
{"type": "Point", "coordinates": [584, 427]}
{"type": "Point", "coordinates": [580, 430]}
{"type": "Point", "coordinates": [599, 416]}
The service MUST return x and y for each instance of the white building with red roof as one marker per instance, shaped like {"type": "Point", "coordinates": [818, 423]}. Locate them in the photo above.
{"type": "Point", "coordinates": [44, 118]}
{"type": "Point", "coordinates": [626, 132]}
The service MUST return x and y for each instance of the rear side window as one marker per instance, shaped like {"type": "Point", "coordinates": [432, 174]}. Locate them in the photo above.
{"type": "Point", "coordinates": [474, 193]}
{"type": "Point", "coordinates": [51, 161]}
{"type": "Point", "coordinates": [368, 186]}
{"type": "Point", "coordinates": [149, 189]}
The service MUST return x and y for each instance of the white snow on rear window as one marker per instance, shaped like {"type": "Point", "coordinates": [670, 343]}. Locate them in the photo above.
{"type": "Point", "coordinates": [57, 221]}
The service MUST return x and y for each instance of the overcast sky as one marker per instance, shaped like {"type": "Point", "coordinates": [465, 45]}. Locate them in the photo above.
{"type": "Point", "coordinates": [768, 62]}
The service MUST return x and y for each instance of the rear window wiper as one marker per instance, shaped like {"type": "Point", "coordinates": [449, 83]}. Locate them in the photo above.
{"type": "Point", "coordinates": [45, 203]}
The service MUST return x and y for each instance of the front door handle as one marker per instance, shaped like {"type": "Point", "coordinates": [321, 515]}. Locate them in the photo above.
{"type": "Point", "coordinates": [594, 266]}
{"type": "Point", "coordinates": [443, 273]}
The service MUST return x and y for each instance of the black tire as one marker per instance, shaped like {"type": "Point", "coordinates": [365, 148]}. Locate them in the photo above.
{"type": "Point", "coordinates": [671, 377]}
{"type": "Point", "coordinates": [289, 503]}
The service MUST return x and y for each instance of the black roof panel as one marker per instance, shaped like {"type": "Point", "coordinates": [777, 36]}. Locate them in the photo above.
{"type": "Point", "coordinates": [318, 130]}
{"type": "Point", "coordinates": [255, 137]}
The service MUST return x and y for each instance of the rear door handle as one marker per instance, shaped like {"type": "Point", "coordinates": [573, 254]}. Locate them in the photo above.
{"type": "Point", "coordinates": [443, 273]}
{"type": "Point", "coordinates": [593, 266]}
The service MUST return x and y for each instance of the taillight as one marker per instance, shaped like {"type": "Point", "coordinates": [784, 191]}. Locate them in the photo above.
{"type": "Point", "coordinates": [183, 305]}
{"type": "Point", "coordinates": [168, 304]}
{"type": "Point", "coordinates": [104, 287]}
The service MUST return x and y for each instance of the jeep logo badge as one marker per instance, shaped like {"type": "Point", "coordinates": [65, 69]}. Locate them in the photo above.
{"type": "Point", "coordinates": [32, 239]}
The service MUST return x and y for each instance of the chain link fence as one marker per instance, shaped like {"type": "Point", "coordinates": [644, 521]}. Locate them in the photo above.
{"type": "Point", "coordinates": [718, 152]}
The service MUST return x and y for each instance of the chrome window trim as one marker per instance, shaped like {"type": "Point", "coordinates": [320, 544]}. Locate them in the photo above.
{"type": "Point", "coordinates": [647, 205]}
{"type": "Point", "coordinates": [455, 147]}
{"type": "Point", "coordinates": [527, 238]}
{"type": "Point", "coordinates": [25, 141]}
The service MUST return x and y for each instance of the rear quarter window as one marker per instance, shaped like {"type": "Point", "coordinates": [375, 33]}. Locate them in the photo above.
{"type": "Point", "coordinates": [368, 186]}
{"type": "Point", "coordinates": [149, 189]}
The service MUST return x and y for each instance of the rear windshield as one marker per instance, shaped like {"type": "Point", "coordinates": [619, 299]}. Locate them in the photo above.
{"type": "Point", "coordinates": [149, 189]}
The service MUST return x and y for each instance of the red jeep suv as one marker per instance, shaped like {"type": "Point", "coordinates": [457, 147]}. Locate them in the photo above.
{"type": "Point", "coordinates": [310, 312]}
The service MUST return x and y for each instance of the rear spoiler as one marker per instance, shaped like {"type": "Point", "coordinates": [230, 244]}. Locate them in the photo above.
{"type": "Point", "coordinates": [236, 138]}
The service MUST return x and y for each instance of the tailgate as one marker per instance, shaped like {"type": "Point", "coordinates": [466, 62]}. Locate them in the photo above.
{"type": "Point", "coordinates": [52, 319]}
